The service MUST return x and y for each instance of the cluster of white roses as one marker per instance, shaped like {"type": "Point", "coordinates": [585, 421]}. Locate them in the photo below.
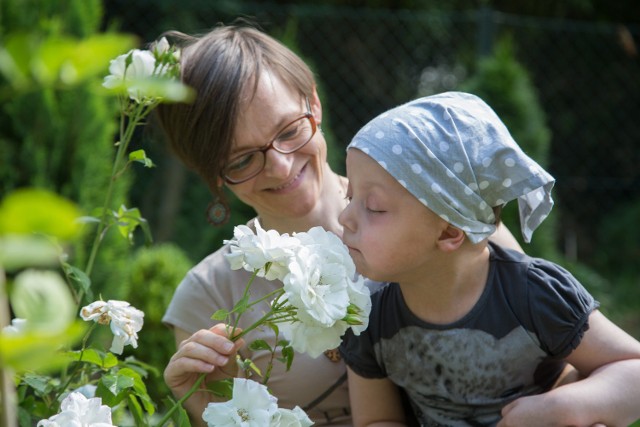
{"type": "Point", "coordinates": [320, 283]}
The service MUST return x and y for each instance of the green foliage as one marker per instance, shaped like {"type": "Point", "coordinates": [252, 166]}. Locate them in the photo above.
{"type": "Point", "coordinates": [505, 84]}
{"type": "Point", "coordinates": [619, 233]}
{"type": "Point", "coordinates": [56, 131]}
{"type": "Point", "coordinates": [79, 18]}
{"type": "Point", "coordinates": [154, 274]}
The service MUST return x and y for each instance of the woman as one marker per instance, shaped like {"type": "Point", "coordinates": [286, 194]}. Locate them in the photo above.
{"type": "Point", "coordinates": [256, 128]}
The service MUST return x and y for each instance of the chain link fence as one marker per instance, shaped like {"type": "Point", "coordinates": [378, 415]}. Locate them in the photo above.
{"type": "Point", "coordinates": [586, 76]}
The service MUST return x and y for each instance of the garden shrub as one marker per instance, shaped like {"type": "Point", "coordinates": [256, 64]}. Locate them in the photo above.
{"type": "Point", "coordinates": [154, 274]}
{"type": "Point", "coordinates": [62, 139]}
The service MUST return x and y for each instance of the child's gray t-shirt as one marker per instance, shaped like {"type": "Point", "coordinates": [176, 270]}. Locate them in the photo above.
{"type": "Point", "coordinates": [531, 315]}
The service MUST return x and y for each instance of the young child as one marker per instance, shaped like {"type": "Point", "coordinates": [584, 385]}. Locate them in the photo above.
{"type": "Point", "coordinates": [473, 333]}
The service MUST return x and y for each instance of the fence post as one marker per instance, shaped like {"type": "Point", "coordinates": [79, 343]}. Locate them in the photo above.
{"type": "Point", "coordinates": [8, 398]}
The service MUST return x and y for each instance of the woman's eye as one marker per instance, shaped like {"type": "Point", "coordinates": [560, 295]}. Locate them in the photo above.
{"type": "Point", "coordinates": [241, 162]}
{"type": "Point", "coordinates": [289, 133]}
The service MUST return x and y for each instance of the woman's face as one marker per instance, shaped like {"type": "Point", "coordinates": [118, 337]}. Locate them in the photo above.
{"type": "Point", "coordinates": [290, 185]}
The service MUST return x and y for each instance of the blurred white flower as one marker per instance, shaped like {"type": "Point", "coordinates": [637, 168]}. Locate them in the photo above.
{"type": "Point", "coordinates": [18, 326]}
{"type": "Point", "coordinates": [265, 251]}
{"type": "Point", "coordinates": [295, 417]}
{"type": "Point", "coordinates": [251, 406]}
{"type": "Point", "coordinates": [124, 319]}
{"type": "Point", "coordinates": [136, 69]}
{"type": "Point", "coordinates": [78, 411]}
{"type": "Point", "coordinates": [160, 47]}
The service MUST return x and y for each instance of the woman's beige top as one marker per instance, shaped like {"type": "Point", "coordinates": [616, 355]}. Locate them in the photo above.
{"type": "Point", "coordinates": [212, 285]}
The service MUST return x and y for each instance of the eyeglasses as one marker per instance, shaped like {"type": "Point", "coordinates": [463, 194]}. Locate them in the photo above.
{"type": "Point", "coordinates": [291, 138]}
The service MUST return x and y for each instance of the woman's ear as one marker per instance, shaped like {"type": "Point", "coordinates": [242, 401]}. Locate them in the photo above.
{"type": "Point", "coordinates": [316, 106]}
{"type": "Point", "coordinates": [450, 239]}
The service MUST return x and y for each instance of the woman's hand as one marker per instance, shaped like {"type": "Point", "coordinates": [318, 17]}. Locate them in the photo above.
{"type": "Point", "coordinates": [208, 351]}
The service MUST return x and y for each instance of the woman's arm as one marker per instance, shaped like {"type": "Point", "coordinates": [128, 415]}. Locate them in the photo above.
{"type": "Point", "coordinates": [207, 351]}
{"type": "Point", "coordinates": [609, 394]}
{"type": "Point", "coordinates": [374, 402]}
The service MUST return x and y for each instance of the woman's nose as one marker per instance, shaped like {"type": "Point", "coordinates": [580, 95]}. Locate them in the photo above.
{"type": "Point", "coordinates": [277, 164]}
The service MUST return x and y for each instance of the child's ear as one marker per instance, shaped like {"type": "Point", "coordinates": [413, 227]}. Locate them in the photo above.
{"type": "Point", "coordinates": [450, 239]}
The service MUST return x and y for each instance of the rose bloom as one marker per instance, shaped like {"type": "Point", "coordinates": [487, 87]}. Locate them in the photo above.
{"type": "Point", "coordinates": [125, 321]}
{"type": "Point", "coordinates": [251, 406]}
{"type": "Point", "coordinates": [78, 411]}
{"type": "Point", "coordinates": [255, 251]}
{"type": "Point", "coordinates": [142, 66]}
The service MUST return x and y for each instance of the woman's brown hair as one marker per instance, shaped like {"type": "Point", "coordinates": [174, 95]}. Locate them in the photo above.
{"type": "Point", "coordinates": [222, 66]}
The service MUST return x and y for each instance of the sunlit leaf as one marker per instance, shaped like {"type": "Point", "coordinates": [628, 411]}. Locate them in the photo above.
{"type": "Point", "coordinates": [141, 157]}
{"type": "Point", "coordinates": [104, 360]}
{"type": "Point", "coordinates": [28, 61]}
{"type": "Point", "coordinates": [20, 250]}
{"type": "Point", "coordinates": [36, 350]}
{"type": "Point", "coordinates": [43, 298]}
{"type": "Point", "coordinates": [33, 210]}
{"type": "Point", "coordinates": [128, 221]}
{"type": "Point", "coordinates": [160, 89]}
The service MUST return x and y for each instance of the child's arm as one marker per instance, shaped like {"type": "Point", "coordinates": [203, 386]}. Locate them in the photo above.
{"type": "Point", "coordinates": [374, 402]}
{"type": "Point", "coordinates": [609, 358]}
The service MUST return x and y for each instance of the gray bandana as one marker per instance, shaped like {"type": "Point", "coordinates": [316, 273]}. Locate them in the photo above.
{"type": "Point", "coordinates": [453, 153]}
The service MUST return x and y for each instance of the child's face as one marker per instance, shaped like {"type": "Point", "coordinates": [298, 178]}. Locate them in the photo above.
{"type": "Point", "coordinates": [391, 235]}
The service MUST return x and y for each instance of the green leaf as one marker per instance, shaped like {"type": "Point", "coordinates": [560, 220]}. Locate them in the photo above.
{"type": "Point", "coordinates": [104, 360]}
{"type": "Point", "coordinates": [180, 417]}
{"type": "Point", "coordinates": [28, 61]}
{"type": "Point", "coordinates": [220, 314]}
{"type": "Point", "coordinates": [20, 251]}
{"type": "Point", "coordinates": [80, 282]}
{"type": "Point", "coordinates": [259, 345]}
{"type": "Point", "coordinates": [136, 411]}
{"type": "Point", "coordinates": [222, 388]}
{"type": "Point", "coordinates": [30, 210]}
{"type": "Point", "coordinates": [38, 350]}
{"type": "Point", "coordinates": [141, 157]}
{"type": "Point", "coordinates": [40, 383]}
{"type": "Point", "coordinates": [287, 356]}
{"type": "Point", "coordinates": [117, 383]}
{"type": "Point", "coordinates": [128, 220]}
{"type": "Point", "coordinates": [155, 89]}
{"type": "Point", "coordinates": [43, 298]}
{"type": "Point", "coordinates": [241, 305]}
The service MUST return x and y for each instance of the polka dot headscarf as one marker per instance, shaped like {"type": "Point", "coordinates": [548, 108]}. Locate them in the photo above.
{"type": "Point", "coordinates": [453, 153]}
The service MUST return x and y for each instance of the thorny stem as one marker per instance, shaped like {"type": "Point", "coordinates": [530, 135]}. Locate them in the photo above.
{"type": "Point", "coordinates": [77, 366]}
{"type": "Point", "coordinates": [126, 132]}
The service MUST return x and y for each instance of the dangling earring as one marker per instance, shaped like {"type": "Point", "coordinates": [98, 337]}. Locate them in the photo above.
{"type": "Point", "coordinates": [218, 212]}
